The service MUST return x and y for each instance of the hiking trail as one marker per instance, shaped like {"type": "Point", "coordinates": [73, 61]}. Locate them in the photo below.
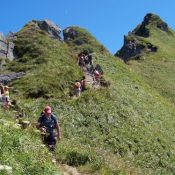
{"type": "Point", "coordinates": [90, 80]}
{"type": "Point", "coordinates": [69, 170]}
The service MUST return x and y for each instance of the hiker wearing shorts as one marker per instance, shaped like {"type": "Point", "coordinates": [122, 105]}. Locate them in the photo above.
{"type": "Point", "coordinates": [77, 88]}
{"type": "Point", "coordinates": [6, 98]}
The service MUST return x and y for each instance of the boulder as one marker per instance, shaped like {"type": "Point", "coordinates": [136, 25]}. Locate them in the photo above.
{"type": "Point", "coordinates": [52, 29]}
{"type": "Point", "coordinates": [69, 34]}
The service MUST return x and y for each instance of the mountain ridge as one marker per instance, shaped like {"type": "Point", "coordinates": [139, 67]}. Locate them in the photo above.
{"type": "Point", "coordinates": [125, 128]}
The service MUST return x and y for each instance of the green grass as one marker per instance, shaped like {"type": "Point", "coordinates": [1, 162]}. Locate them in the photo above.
{"type": "Point", "coordinates": [158, 69]}
{"type": "Point", "coordinates": [22, 149]}
{"type": "Point", "coordinates": [126, 128]}
{"type": "Point", "coordinates": [50, 64]}
{"type": "Point", "coordinates": [85, 41]}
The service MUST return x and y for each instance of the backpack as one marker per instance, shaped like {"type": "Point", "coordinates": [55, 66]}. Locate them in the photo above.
{"type": "Point", "coordinates": [96, 72]}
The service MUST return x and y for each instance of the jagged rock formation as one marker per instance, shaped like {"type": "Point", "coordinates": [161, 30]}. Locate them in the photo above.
{"type": "Point", "coordinates": [10, 77]}
{"type": "Point", "coordinates": [48, 26]}
{"type": "Point", "coordinates": [6, 48]}
{"type": "Point", "coordinates": [135, 44]}
{"type": "Point", "coordinates": [69, 34]}
{"type": "Point", "coordinates": [134, 48]}
{"type": "Point", "coordinates": [150, 19]}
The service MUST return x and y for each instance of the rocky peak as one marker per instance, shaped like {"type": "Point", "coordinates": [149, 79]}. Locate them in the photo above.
{"type": "Point", "coordinates": [133, 48]}
{"type": "Point", "coordinates": [48, 26]}
{"type": "Point", "coordinates": [6, 47]}
{"type": "Point", "coordinates": [150, 20]}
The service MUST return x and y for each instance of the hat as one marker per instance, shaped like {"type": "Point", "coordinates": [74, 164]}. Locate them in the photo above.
{"type": "Point", "coordinates": [48, 109]}
{"type": "Point", "coordinates": [6, 87]}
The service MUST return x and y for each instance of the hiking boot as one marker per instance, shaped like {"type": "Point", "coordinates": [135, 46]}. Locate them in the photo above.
{"type": "Point", "coordinates": [51, 147]}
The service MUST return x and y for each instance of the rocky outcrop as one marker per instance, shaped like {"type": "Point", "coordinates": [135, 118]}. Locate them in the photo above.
{"type": "Point", "coordinates": [10, 77]}
{"type": "Point", "coordinates": [6, 48]}
{"type": "Point", "coordinates": [150, 20]}
{"type": "Point", "coordinates": [69, 34]}
{"type": "Point", "coordinates": [48, 26]}
{"type": "Point", "coordinates": [135, 43]}
{"type": "Point", "coordinates": [133, 48]}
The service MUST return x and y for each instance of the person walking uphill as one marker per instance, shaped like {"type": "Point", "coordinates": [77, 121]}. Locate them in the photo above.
{"type": "Point", "coordinates": [47, 124]}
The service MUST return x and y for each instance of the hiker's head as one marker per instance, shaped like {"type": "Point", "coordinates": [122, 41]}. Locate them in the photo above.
{"type": "Point", "coordinates": [47, 110]}
{"type": "Point", "coordinates": [83, 77]}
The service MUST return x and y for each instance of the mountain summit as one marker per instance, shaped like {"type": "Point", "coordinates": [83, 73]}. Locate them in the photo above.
{"type": "Point", "coordinates": [149, 50]}
{"type": "Point", "coordinates": [150, 20]}
{"type": "Point", "coordinates": [138, 41]}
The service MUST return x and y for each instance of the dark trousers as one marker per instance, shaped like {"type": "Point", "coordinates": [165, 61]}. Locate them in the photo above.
{"type": "Point", "coordinates": [50, 139]}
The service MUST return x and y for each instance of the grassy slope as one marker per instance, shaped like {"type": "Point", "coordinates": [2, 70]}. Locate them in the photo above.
{"type": "Point", "coordinates": [49, 63]}
{"type": "Point", "coordinates": [126, 128]}
{"type": "Point", "coordinates": [85, 42]}
{"type": "Point", "coordinates": [51, 68]}
{"type": "Point", "coordinates": [22, 150]}
{"type": "Point", "coordinates": [158, 69]}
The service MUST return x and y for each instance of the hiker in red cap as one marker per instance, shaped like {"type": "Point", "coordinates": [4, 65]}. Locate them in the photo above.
{"type": "Point", "coordinates": [47, 123]}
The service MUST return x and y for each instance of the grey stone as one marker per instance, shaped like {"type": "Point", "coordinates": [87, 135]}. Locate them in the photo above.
{"type": "Point", "coordinates": [52, 29]}
{"type": "Point", "coordinates": [3, 46]}
{"type": "Point", "coordinates": [6, 48]}
{"type": "Point", "coordinates": [10, 54]}
{"type": "Point", "coordinates": [69, 34]}
{"type": "Point", "coordinates": [10, 77]}
{"type": "Point", "coordinates": [133, 48]}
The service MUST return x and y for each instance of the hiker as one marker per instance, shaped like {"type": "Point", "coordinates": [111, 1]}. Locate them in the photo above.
{"type": "Point", "coordinates": [6, 98]}
{"type": "Point", "coordinates": [90, 59]}
{"type": "Point", "coordinates": [1, 91]}
{"type": "Point", "coordinates": [83, 84]}
{"type": "Point", "coordinates": [97, 77]}
{"type": "Point", "coordinates": [81, 62]}
{"type": "Point", "coordinates": [47, 124]}
{"type": "Point", "coordinates": [77, 88]}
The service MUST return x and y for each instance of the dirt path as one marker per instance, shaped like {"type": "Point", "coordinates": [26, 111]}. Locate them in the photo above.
{"type": "Point", "coordinates": [90, 80]}
{"type": "Point", "coordinates": [69, 170]}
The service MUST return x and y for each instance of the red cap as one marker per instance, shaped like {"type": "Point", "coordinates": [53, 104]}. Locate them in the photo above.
{"type": "Point", "coordinates": [48, 109]}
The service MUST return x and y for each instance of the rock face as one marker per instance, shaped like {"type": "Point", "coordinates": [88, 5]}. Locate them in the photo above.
{"type": "Point", "coordinates": [69, 34]}
{"type": "Point", "coordinates": [134, 46]}
{"type": "Point", "coordinates": [10, 77]}
{"type": "Point", "coordinates": [6, 48]}
{"type": "Point", "coordinates": [153, 20]}
{"type": "Point", "coordinates": [52, 29]}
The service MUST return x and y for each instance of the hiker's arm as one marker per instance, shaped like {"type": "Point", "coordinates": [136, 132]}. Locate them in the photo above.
{"type": "Point", "coordinates": [42, 129]}
{"type": "Point", "coordinates": [38, 125]}
{"type": "Point", "coordinates": [58, 131]}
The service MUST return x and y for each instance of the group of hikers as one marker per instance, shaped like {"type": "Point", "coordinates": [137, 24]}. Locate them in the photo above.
{"type": "Point", "coordinates": [47, 122]}
{"type": "Point", "coordinates": [85, 62]}
{"type": "Point", "coordinates": [5, 96]}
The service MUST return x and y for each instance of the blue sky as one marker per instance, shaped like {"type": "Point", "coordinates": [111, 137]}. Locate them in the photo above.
{"type": "Point", "coordinates": [107, 20]}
